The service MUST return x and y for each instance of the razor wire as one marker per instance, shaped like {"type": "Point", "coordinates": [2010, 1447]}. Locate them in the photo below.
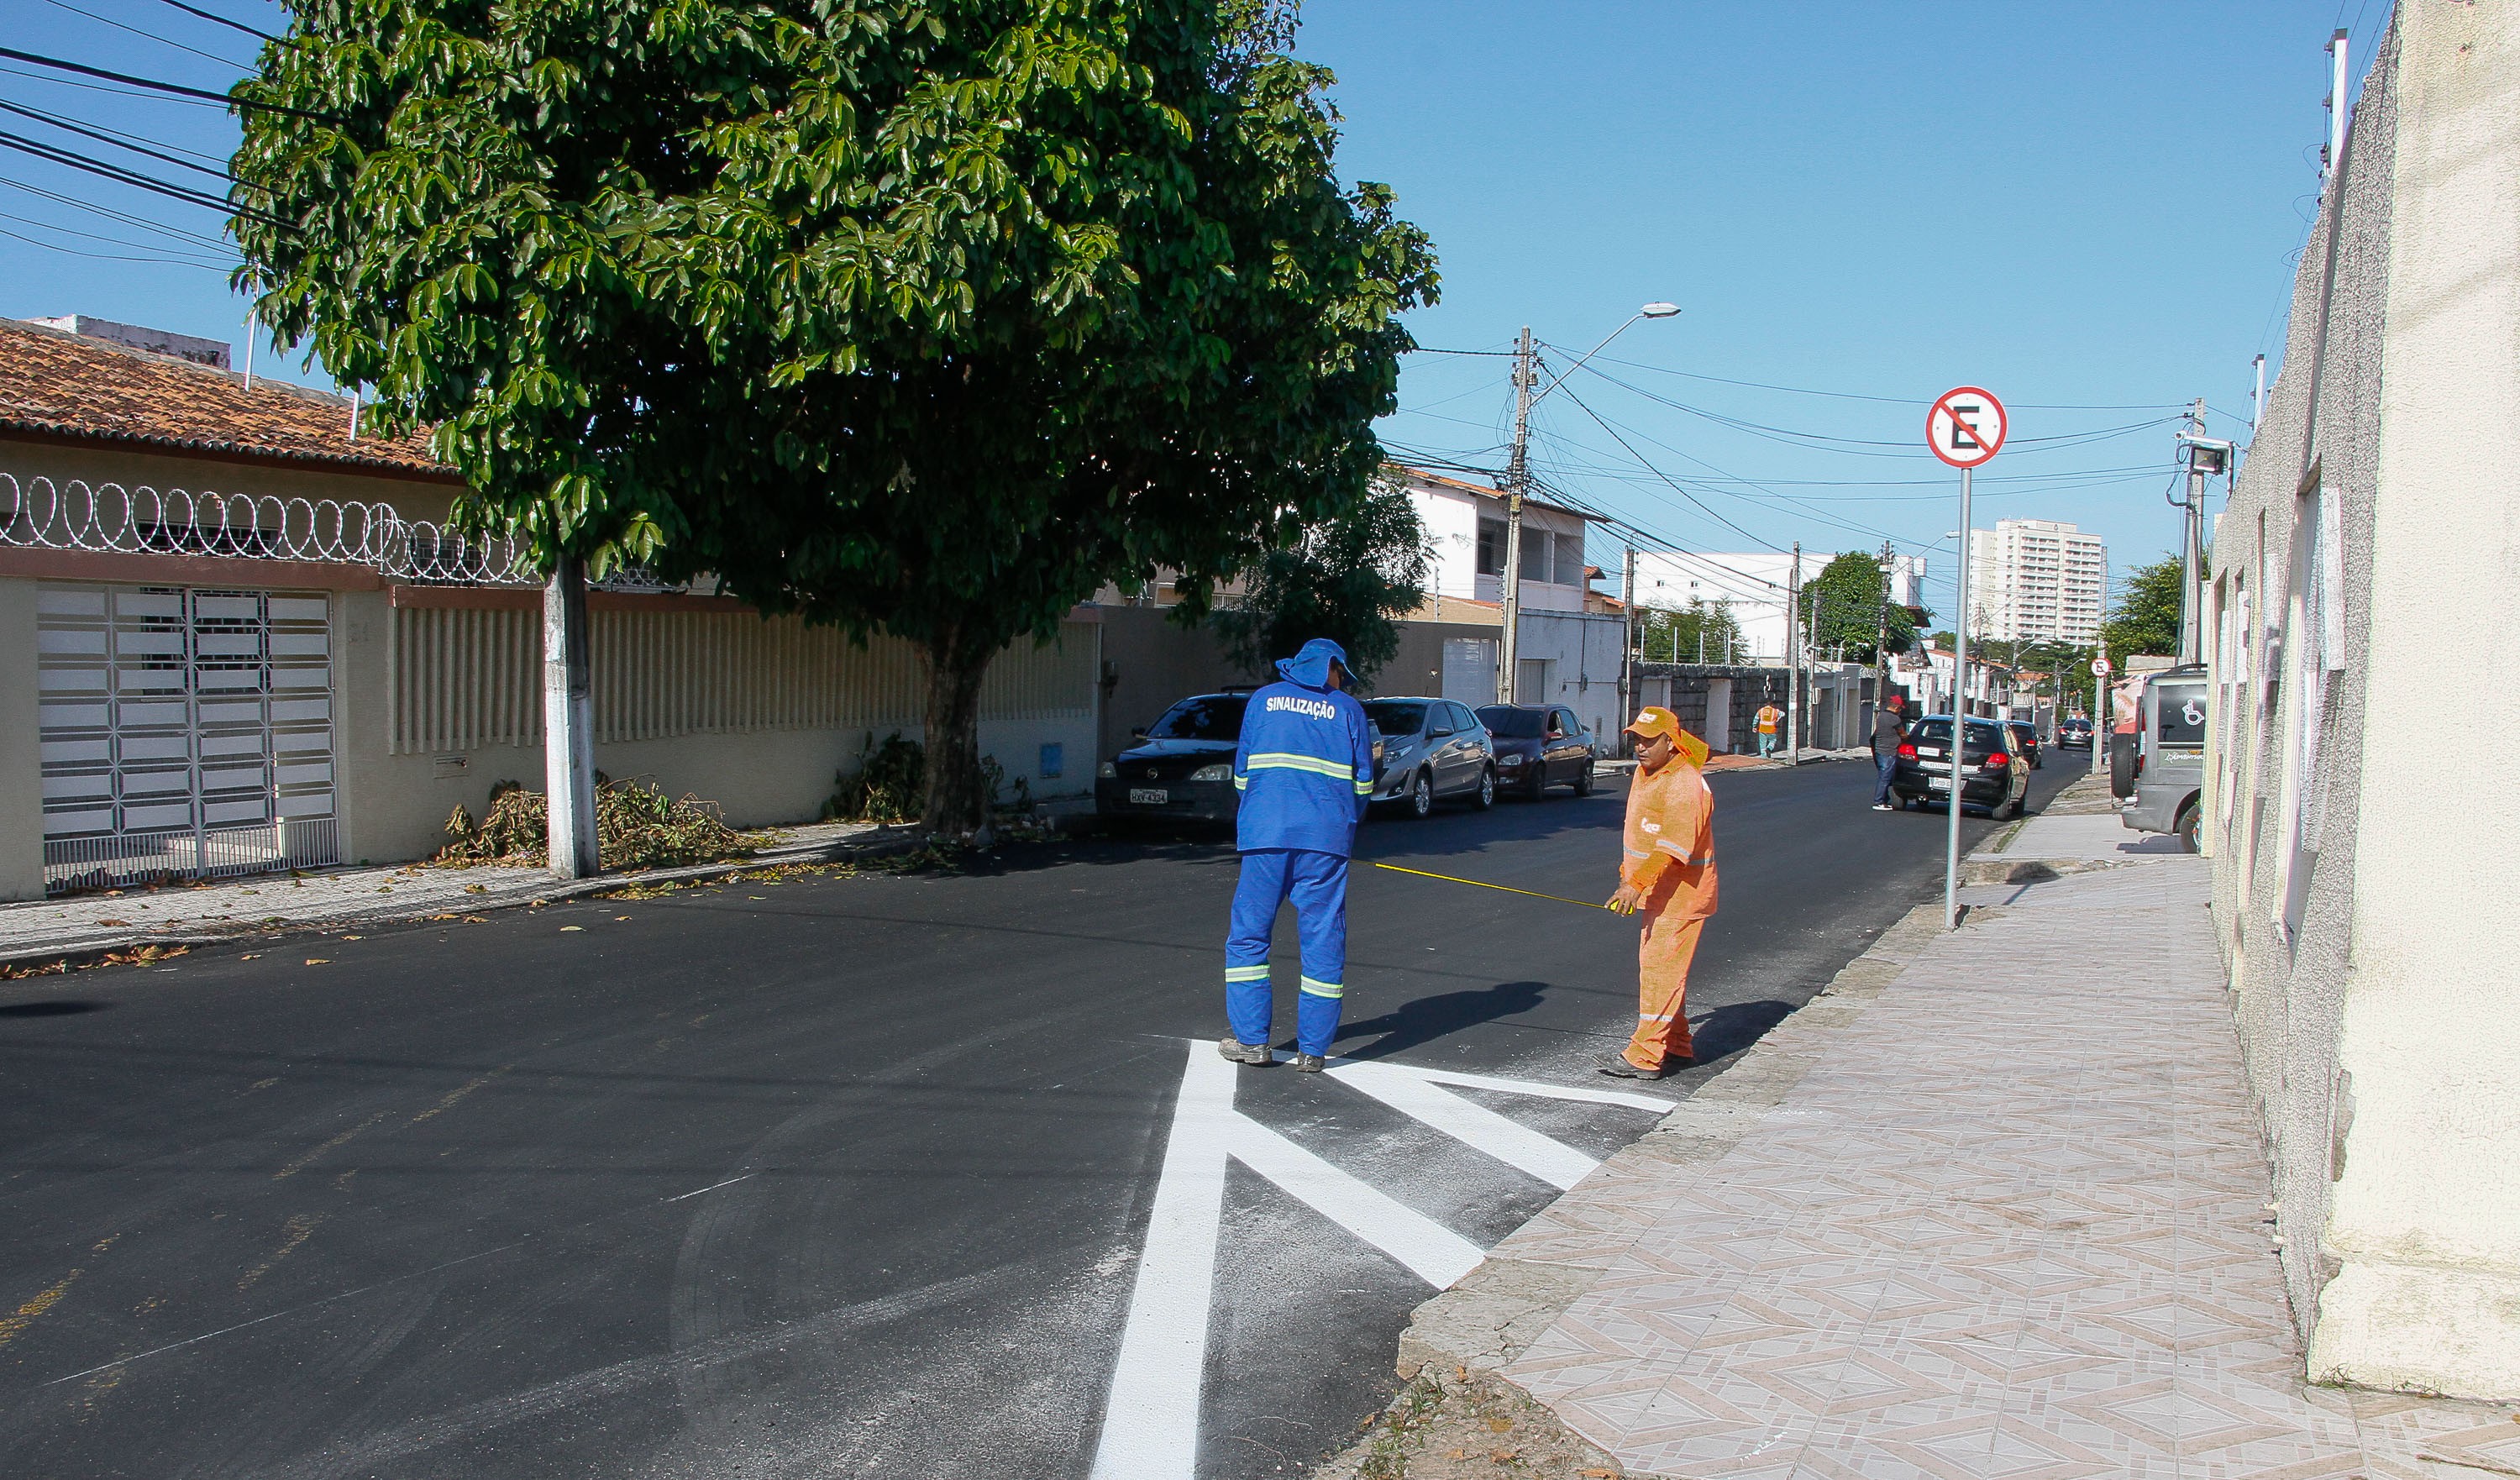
{"type": "Point", "coordinates": [111, 518]}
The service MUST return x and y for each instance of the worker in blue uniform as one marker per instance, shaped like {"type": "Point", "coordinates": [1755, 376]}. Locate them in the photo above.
{"type": "Point", "coordinates": [1305, 767]}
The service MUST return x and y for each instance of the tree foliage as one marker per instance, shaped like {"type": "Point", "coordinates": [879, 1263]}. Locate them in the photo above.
{"type": "Point", "coordinates": [1699, 632]}
{"type": "Point", "coordinates": [928, 318]}
{"type": "Point", "coordinates": [1347, 578]}
{"type": "Point", "coordinates": [2146, 617]}
{"type": "Point", "coordinates": [1843, 607]}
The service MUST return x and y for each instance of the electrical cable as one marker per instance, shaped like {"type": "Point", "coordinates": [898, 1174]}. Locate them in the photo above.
{"type": "Point", "coordinates": [1848, 395]}
{"type": "Point", "coordinates": [106, 256]}
{"type": "Point", "coordinates": [130, 220]}
{"type": "Point", "coordinates": [63, 121]}
{"type": "Point", "coordinates": [215, 19]}
{"type": "Point", "coordinates": [119, 175]}
{"type": "Point", "coordinates": [101, 137]}
{"type": "Point", "coordinates": [150, 36]}
{"type": "Point", "coordinates": [173, 89]}
{"type": "Point", "coordinates": [71, 231]}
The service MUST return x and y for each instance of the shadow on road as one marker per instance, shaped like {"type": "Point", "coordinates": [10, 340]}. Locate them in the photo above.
{"type": "Point", "coordinates": [1730, 1029]}
{"type": "Point", "coordinates": [1429, 1019]}
{"type": "Point", "coordinates": [52, 1009]}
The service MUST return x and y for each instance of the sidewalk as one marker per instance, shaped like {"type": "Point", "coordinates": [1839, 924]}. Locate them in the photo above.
{"type": "Point", "coordinates": [1966, 1214]}
{"type": "Point", "coordinates": [48, 930]}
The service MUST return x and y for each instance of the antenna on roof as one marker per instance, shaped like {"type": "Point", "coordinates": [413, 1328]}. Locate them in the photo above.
{"type": "Point", "coordinates": [354, 413]}
{"type": "Point", "coordinates": [249, 351]}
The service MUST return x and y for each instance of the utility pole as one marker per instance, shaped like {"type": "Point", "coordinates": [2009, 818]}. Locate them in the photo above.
{"type": "Point", "coordinates": [2099, 722]}
{"type": "Point", "coordinates": [2206, 456]}
{"type": "Point", "coordinates": [568, 724]}
{"type": "Point", "coordinates": [2257, 397]}
{"type": "Point", "coordinates": [1517, 481]}
{"type": "Point", "coordinates": [2331, 156]}
{"type": "Point", "coordinates": [1794, 660]}
{"type": "Point", "coordinates": [1881, 642]}
{"type": "Point", "coordinates": [1627, 639]}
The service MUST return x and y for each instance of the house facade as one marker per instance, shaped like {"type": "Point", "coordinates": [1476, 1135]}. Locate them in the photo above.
{"type": "Point", "coordinates": [236, 636]}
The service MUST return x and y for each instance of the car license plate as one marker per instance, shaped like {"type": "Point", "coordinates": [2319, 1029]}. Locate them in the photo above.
{"type": "Point", "coordinates": [1938, 783]}
{"type": "Point", "coordinates": [1141, 796]}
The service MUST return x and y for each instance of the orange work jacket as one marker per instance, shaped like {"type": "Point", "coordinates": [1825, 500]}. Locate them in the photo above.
{"type": "Point", "coordinates": [1670, 842]}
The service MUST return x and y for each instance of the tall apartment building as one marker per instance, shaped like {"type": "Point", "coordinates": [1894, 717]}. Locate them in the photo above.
{"type": "Point", "coordinates": [2037, 580]}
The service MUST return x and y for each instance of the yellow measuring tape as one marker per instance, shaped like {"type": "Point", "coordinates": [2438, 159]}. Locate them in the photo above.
{"type": "Point", "coordinates": [1484, 884]}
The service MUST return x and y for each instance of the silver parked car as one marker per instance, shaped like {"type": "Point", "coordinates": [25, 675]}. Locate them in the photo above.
{"type": "Point", "coordinates": [2162, 780]}
{"type": "Point", "coordinates": [1430, 748]}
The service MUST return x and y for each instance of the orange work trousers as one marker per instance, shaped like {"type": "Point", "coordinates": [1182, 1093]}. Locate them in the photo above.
{"type": "Point", "coordinates": [1663, 952]}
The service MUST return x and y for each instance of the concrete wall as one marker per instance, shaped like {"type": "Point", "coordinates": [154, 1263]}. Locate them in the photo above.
{"type": "Point", "coordinates": [1690, 686]}
{"type": "Point", "coordinates": [2369, 555]}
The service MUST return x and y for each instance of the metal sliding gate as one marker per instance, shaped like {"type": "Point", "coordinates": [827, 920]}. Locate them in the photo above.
{"type": "Point", "coordinates": [185, 733]}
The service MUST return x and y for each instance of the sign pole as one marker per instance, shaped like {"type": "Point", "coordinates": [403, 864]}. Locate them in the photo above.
{"type": "Point", "coordinates": [1960, 720]}
{"type": "Point", "coordinates": [1965, 427]}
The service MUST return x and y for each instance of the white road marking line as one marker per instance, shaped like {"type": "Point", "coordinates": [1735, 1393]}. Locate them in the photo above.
{"type": "Point", "coordinates": [1532, 1087]}
{"type": "Point", "coordinates": [711, 1188]}
{"type": "Point", "coordinates": [1510, 1142]}
{"type": "Point", "coordinates": [1150, 1424]}
{"type": "Point", "coordinates": [1432, 1252]}
{"type": "Point", "coordinates": [1150, 1421]}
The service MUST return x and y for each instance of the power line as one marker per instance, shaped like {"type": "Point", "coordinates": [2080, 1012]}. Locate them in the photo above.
{"type": "Point", "coordinates": [173, 89]}
{"type": "Point", "coordinates": [148, 35]}
{"type": "Point", "coordinates": [131, 220]}
{"type": "Point", "coordinates": [101, 137]}
{"type": "Point", "coordinates": [1848, 395]}
{"type": "Point", "coordinates": [106, 256]}
{"type": "Point", "coordinates": [71, 231]}
{"type": "Point", "coordinates": [119, 175]}
{"type": "Point", "coordinates": [234, 25]}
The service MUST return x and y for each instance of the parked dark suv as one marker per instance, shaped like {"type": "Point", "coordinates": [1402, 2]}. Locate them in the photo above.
{"type": "Point", "coordinates": [1994, 773]}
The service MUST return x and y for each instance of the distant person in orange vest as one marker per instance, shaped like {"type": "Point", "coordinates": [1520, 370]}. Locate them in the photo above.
{"type": "Point", "coordinates": [1668, 875]}
{"type": "Point", "coordinates": [1770, 720]}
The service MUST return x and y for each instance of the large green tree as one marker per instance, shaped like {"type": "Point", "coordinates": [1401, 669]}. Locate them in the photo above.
{"type": "Point", "coordinates": [927, 318]}
{"type": "Point", "coordinates": [1843, 608]}
{"type": "Point", "coordinates": [2146, 617]}
{"type": "Point", "coordinates": [1348, 578]}
{"type": "Point", "coordinates": [1702, 631]}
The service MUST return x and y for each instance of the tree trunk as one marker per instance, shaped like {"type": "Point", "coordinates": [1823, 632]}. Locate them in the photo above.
{"type": "Point", "coordinates": [956, 664]}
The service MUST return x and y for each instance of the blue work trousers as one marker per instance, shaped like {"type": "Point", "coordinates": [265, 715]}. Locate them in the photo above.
{"type": "Point", "coordinates": [1888, 762]}
{"type": "Point", "coordinates": [1317, 885]}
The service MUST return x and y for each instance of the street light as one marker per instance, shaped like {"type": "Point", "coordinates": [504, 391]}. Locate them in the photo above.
{"type": "Point", "coordinates": [1526, 370]}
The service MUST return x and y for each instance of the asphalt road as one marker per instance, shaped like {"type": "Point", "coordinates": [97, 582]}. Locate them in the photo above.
{"type": "Point", "coordinates": [829, 1176]}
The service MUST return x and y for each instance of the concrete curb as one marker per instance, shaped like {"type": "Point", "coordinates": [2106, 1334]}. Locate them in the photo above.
{"type": "Point", "coordinates": [89, 952]}
{"type": "Point", "coordinates": [1456, 1342]}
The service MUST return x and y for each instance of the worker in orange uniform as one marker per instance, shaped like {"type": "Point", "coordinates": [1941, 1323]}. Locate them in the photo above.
{"type": "Point", "coordinates": [1668, 877]}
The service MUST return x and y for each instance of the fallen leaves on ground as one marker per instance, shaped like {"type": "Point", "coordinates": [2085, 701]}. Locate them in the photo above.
{"type": "Point", "coordinates": [572, 927]}
{"type": "Point", "coordinates": [319, 960]}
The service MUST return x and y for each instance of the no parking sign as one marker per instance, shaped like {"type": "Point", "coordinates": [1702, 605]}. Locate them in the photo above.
{"type": "Point", "coordinates": [1965, 427]}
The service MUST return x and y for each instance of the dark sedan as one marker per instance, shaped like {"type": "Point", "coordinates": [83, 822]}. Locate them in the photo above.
{"type": "Point", "coordinates": [2025, 736]}
{"type": "Point", "coordinates": [1994, 773]}
{"type": "Point", "coordinates": [1182, 767]}
{"type": "Point", "coordinates": [2075, 734]}
{"type": "Point", "coordinates": [1538, 746]}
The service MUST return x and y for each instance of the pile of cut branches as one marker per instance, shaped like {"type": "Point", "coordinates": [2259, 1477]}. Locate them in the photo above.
{"type": "Point", "coordinates": [637, 826]}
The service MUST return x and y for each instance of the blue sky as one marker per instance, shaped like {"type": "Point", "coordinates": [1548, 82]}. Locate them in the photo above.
{"type": "Point", "coordinates": [2092, 207]}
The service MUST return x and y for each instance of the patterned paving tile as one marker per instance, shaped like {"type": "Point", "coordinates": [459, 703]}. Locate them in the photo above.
{"type": "Point", "coordinates": [1965, 1246]}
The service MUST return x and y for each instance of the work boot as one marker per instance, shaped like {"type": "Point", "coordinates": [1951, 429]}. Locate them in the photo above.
{"type": "Point", "coordinates": [1256, 1054]}
{"type": "Point", "coordinates": [1310, 1063]}
{"type": "Point", "coordinates": [1620, 1068]}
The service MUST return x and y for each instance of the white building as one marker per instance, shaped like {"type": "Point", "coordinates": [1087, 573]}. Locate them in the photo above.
{"type": "Point", "coordinates": [2037, 580]}
{"type": "Point", "coordinates": [1756, 586]}
{"type": "Point", "coordinates": [1465, 528]}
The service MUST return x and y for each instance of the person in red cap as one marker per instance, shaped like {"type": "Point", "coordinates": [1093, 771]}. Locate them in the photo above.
{"type": "Point", "coordinates": [1668, 875]}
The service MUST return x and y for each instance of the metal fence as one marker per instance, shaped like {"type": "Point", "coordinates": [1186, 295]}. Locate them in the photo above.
{"type": "Point", "coordinates": [40, 513]}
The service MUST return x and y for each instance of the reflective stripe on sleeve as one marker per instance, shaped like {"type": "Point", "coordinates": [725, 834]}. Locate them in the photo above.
{"type": "Point", "coordinates": [1329, 989]}
{"type": "Point", "coordinates": [1259, 972]}
{"type": "Point", "coordinates": [1364, 789]}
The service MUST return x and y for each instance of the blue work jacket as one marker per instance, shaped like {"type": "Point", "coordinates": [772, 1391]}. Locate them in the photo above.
{"type": "Point", "coordinates": [1305, 767]}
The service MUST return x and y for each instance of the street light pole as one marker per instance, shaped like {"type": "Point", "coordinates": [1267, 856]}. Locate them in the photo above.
{"type": "Point", "coordinates": [1517, 478]}
{"type": "Point", "coordinates": [1517, 484]}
